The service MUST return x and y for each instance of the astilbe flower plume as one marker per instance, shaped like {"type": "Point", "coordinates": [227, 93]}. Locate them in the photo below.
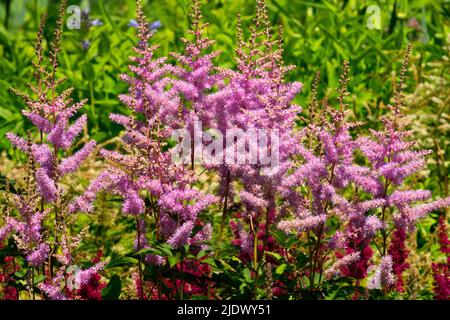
{"type": "Point", "coordinates": [143, 171]}
{"type": "Point", "coordinates": [325, 171]}
{"type": "Point", "coordinates": [197, 77]}
{"type": "Point", "coordinates": [392, 160]}
{"type": "Point", "coordinates": [49, 160]}
{"type": "Point", "coordinates": [256, 98]}
{"type": "Point", "coordinates": [368, 200]}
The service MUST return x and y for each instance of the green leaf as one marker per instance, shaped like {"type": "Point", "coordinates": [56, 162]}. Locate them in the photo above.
{"type": "Point", "coordinates": [166, 250]}
{"type": "Point", "coordinates": [20, 273]}
{"type": "Point", "coordinates": [173, 260]}
{"type": "Point", "coordinates": [247, 275]}
{"type": "Point", "coordinates": [302, 260]}
{"type": "Point", "coordinates": [227, 266]}
{"type": "Point", "coordinates": [279, 235]}
{"type": "Point", "coordinates": [280, 269]}
{"type": "Point", "coordinates": [113, 289]}
{"type": "Point", "coordinates": [210, 261]}
{"type": "Point", "coordinates": [122, 261]}
{"type": "Point", "coordinates": [104, 45]}
{"type": "Point", "coordinates": [275, 255]}
{"type": "Point", "coordinates": [39, 279]}
{"type": "Point", "coordinates": [149, 251]}
{"type": "Point", "coordinates": [201, 254]}
{"type": "Point", "coordinates": [87, 71]}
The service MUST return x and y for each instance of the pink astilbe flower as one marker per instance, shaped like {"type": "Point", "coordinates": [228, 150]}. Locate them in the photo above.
{"type": "Point", "coordinates": [383, 277]}
{"type": "Point", "coordinates": [371, 226]}
{"type": "Point", "coordinates": [84, 203]}
{"type": "Point", "coordinates": [302, 224]}
{"type": "Point", "coordinates": [181, 235]}
{"type": "Point", "coordinates": [5, 231]}
{"type": "Point", "coordinates": [75, 129]}
{"type": "Point", "coordinates": [133, 204]}
{"type": "Point", "coordinates": [146, 177]}
{"type": "Point", "coordinates": [369, 199]}
{"type": "Point", "coordinates": [73, 162]}
{"type": "Point", "coordinates": [392, 160]}
{"type": "Point", "coordinates": [256, 98]}
{"type": "Point", "coordinates": [52, 288]}
{"type": "Point", "coordinates": [387, 277]}
{"type": "Point", "coordinates": [41, 123]}
{"type": "Point", "coordinates": [335, 269]}
{"type": "Point", "coordinates": [38, 256]}
{"type": "Point", "coordinates": [83, 277]}
{"type": "Point", "coordinates": [50, 109]}
{"type": "Point", "coordinates": [197, 75]}
{"type": "Point", "coordinates": [51, 116]}
{"type": "Point", "coordinates": [44, 156]}
{"type": "Point", "coordinates": [319, 185]}
{"type": "Point", "coordinates": [203, 235]}
{"type": "Point", "coordinates": [27, 229]}
{"type": "Point", "coordinates": [46, 186]}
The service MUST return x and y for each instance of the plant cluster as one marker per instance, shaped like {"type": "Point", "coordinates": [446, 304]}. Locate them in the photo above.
{"type": "Point", "coordinates": [329, 221]}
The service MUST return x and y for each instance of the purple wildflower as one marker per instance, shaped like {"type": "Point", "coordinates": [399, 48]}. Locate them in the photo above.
{"type": "Point", "coordinates": [39, 255]}
{"type": "Point", "coordinates": [181, 235]}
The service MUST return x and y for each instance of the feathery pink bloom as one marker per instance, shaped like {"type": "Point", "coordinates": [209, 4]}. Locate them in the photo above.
{"type": "Point", "coordinates": [181, 235]}
{"type": "Point", "coordinates": [52, 288]}
{"type": "Point", "coordinates": [335, 269]}
{"type": "Point", "coordinates": [383, 276]}
{"type": "Point", "coordinates": [84, 276]}
{"type": "Point", "coordinates": [39, 255]}
{"type": "Point", "coordinates": [74, 130]}
{"type": "Point", "coordinates": [133, 204]}
{"type": "Point", "coordinates": [17, 141]}
{"type": "Point", "coordinates": [40, 122]}
{"type": "Point", "coordinates": [302, 224]}
{"type": "Point", "coordinates": [73, 162]}
{"type": "Point", "coordinates": [46, 185]}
